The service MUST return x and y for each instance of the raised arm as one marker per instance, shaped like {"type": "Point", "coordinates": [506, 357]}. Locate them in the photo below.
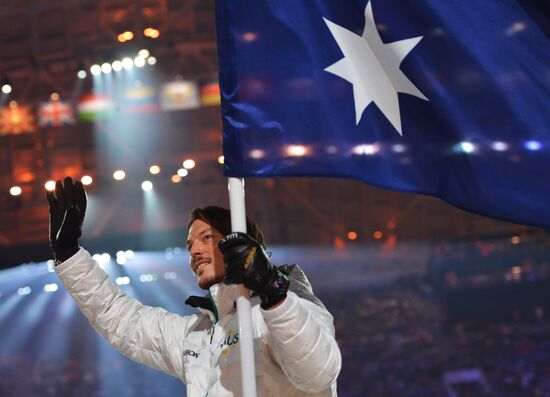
{"type": "Point", "coordinates": [148, 335]}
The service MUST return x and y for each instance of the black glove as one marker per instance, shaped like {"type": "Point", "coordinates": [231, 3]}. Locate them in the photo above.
{"type": "Point", "coordinates": [247, 263]}
{"type": "Point", "coordinates": [67, 209]}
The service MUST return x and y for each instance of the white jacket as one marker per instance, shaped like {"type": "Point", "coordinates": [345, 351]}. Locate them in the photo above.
{"type": "Point", "coordinates": [295, 349]}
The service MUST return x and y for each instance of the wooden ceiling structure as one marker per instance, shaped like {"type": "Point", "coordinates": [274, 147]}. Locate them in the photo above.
{"type": "Point", "coordinates": [44, 44]}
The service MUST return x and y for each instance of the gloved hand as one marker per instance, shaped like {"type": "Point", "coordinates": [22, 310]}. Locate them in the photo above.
{"type": "Point", "coordinates": [67, 209]}
{"type": "Point", "coordinates": [247, 263]}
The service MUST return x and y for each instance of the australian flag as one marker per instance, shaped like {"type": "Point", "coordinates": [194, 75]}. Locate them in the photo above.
{"type": "Point", "coordinates": [445, 98]}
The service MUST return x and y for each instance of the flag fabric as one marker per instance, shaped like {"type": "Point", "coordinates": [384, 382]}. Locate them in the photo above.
{"type": "Point", "coordinates": [93, 107]}
{"type": "Point", "coordinates": [55, 113]}
{"type": "Point", "coordinates": [445, 98]}
{"type": "Point", "coordinates": [179, 95]}
{"type": "Point", "coordinates": [15, 119]}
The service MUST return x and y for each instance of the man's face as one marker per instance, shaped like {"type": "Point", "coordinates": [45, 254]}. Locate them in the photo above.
{"type": "Point", "coordinates": [206, 258]}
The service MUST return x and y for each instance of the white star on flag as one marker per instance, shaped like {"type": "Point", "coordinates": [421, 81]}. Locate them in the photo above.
{"type": "Point", "coordinates": [372, 67]}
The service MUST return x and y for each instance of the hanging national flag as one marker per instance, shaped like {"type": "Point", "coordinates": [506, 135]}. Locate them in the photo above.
{"type": "Point", "coordinates": [95, 107]}
{"type": "Point", "coordinates": [15, 119]}
{"type": "Point", "coordinates": [140, 98]}
{"type": "Point", "coordinates": [446, 98]}
{"type": "Point", "coordinates": [55, 113]}
{"type": "Point", "coordinates": [210, 94]}
{"type": "Point", "coordinates": [179, 95]}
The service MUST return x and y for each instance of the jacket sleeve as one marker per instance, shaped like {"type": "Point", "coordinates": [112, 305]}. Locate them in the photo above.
{"type": "Point", "coordinates": [148, 335]}
{"type": "Point", "coordinates": [302, 339]}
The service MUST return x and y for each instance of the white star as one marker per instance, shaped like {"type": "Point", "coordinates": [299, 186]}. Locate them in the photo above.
{"type": "Point", "coordinates": [373, 68]}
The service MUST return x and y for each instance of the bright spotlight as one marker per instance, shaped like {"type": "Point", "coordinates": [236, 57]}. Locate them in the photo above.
{"type": "Point", "coordinates": [533, 145]}
{"type": "Point", "coordinates": [6, 88]}
{"type": "Point", "coordinates": [188, 164]}
{"type": "Point", "coordinates": [151, 33]}
{"type": "Point", "coordinates": [154, 169]}
{"type": "Point", "coordinates": [119, 175]}
{"type": "Point", "coordinates": [106, 68]}
{"type": "Point", "coordinates": [121, 260]}
{"type": "Point", "coordinates": [95, 69]}
{"type": "Point", "coordinates": [366, 149]}
{"type": "Point", "coordinates": [15, 190]}
{"type": "Point", "coordinates": [81, 74]}
{"type": "Point", "coordinates": [182, 172]}
{"type": "Point", "coordinates": [499, 146]}
{"type": "Point", "coordinates": [129, 254]}
{"type": "Point", "coordinates": [86, 180]}
{"type": "Point", "coordinates": [466, 147]}
{"type": "Point", "coordinates": [176, 178]}
{"type": "Point", "coordinates": [139, 62]}
{"type": "Point", "coordinates": [151, 61]}
{"type": "Point", "coordinates": [50, 186]}
{"type": "Point", "coordinates": [147, 186]}
{"type": "Point", "coordinates": [127, 63]}
{"type": "Point", "coordinates": [221, 159]}
{"type": "Point", "coordinates": [296, 150]}
{"type": "Point", "coordinates": [117, 66]}
{"type": "Point", "coordinates": [144, 53]}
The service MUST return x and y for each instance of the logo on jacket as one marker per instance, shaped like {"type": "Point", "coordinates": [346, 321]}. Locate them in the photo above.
{"type": "Point", "coordinates": [230, 338]}
{"type": "Point", "coordinates": [191, 353]}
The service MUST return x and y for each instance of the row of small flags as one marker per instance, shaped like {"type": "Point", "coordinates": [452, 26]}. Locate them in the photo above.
{"type": "Point", "coordinates": [173, 96]}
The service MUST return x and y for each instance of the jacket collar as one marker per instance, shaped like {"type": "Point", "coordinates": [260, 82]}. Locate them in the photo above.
{"type": "Point", "coordinates": [219, 302]}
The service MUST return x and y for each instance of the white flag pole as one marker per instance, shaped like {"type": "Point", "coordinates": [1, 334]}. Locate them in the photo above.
{"type": "Point", "coordinates": [238, 224]}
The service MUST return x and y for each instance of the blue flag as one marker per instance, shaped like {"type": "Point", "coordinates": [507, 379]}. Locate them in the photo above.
{"type": "Point", "coordinates": [445, 98]}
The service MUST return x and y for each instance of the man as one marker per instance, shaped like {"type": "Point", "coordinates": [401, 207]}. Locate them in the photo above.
{"type": "Point", "coordinates": [295, 349]}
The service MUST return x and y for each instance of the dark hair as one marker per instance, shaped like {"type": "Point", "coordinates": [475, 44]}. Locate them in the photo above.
{"type": "Point", "coordinates": [220, 219]}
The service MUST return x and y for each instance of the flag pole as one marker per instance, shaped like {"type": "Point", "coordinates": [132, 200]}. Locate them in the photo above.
{"type": "Point", "coordinates": [244, 309]}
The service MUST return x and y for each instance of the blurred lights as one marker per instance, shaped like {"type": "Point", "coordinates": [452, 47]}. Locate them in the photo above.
{"type": "Point", "coordinates": [51, 287]}
{"type": "Point", "coordinates": [257, 154]}
{"type": "Point", "coordinates": [515, 240]}
{"type": "Point", "coordinates": [516, 270]}
{"type": "Point", "coordinates": [352, 235]}
{"type": "Point", "coordinates": [249, 37]}
{"type": "Point", "coordinates": [533, 145]}
{"type": "Point", "coordinates": [170, 276]}
{"type": "Point", "coordinates": [154, 169]}
{"type": "Point", "coordinates": [188, 164]}
{"type": "Point", "coordinates": [378, 235]}
{"type": "Point", "coordinates": [139, 62]}
{"type": "Point", "coordinates": [15, 190]}
{"type": "Point", "coordinates": [221, 159]}
{"type": "Point", "coordinates": [147, 186]}
{"type": "Point", "coordinates": [124, 280]}
{"type": "Point", "coordinates": [151, 61]}
{"type": "Point", "coordinates": [176, 178]}
{"type": "Point", "coordinates": [119, 175]}
{"type": "Point", "coordinates": [499, 146]}
{"type": "Point", "coordinates": [81, 74]}
{"type": "Point", "coordinates": [86, 180]}
{"type": "Point", "coordinates": [24, 291]}
{"type": "Point", "coordinates": [182, 172]}
{"type": "Point", "coordinates": [95, 69]}
{"type": "Point", "coordinates": [366, 149]}
{"type": "Point", "coordinates": [144, 53]}
{"type": "Point", "coordinates": [6, 88]}
{"type": "Point", "coordinates": [54, 96]}
{"type": "Point", "coordinates": [50, 186]}
{"type": "Point", "coordinates": [125, 36]}
{"type": "Point", "coordinates": [127, 63]}
{"type": "Point", "coordinates": [296, 150]}
{"type": "Point", "coordinates": [117, 66]}
{"type": "Point", "coordinates": [148, 277]}
{"type": "Point", "coordinates": [152, 33]}
{"type": "Point", "coordinates": [106, 68]}
{"type": "Point", "coordinates": [398, 148]}
{"type": "Point", "coordinates": [466, 147]}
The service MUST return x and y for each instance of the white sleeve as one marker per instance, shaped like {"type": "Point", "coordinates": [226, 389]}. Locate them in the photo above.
{"type": "Point", "coordinates": [301, 337]}
{"type": "Point", "coordinates": [148, 335]}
